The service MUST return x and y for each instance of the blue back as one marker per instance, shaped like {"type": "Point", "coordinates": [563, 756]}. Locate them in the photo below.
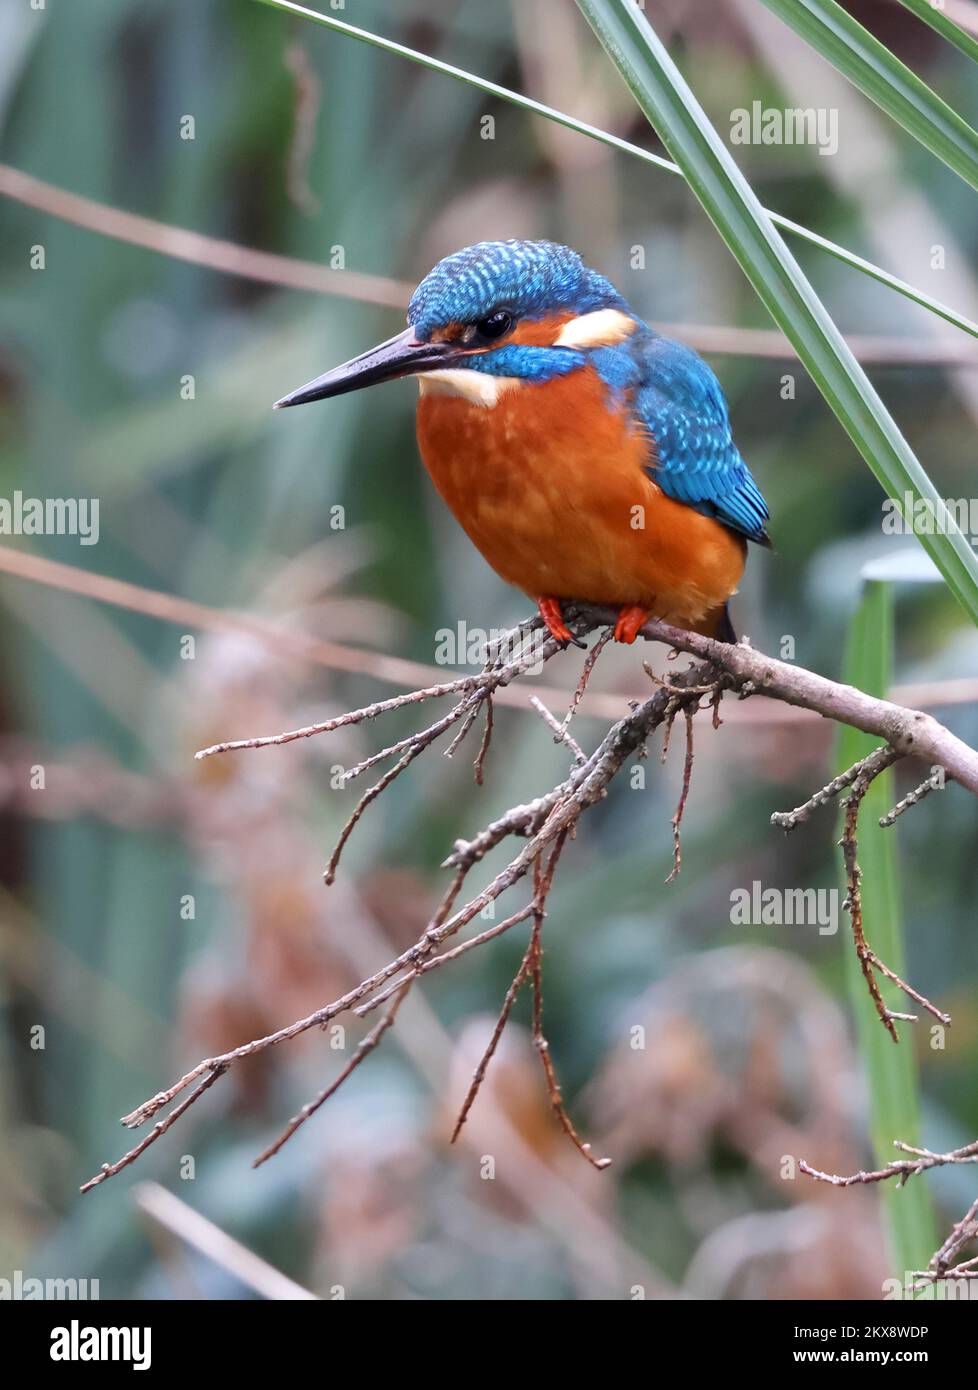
{"type": "Point", "coordinates": [695, 460]}
{"type": "Point", "coordinates": [673, 396]}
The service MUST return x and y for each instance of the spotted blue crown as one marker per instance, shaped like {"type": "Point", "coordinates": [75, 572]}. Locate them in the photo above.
{"type": "Point", "coordinates": [532, 277]}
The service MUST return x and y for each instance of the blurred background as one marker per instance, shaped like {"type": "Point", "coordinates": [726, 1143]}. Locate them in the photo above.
{"type": "Point", "coordinates": [154, 909]}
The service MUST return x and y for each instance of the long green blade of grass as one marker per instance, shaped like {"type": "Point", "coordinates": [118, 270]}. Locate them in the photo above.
{"type": "Point", "coordinates": [728, 198]}
{"type": "Point", "coordinates": [879, 75]}
{"type": "Point", "coordinates": [550, 113]}
{"type": "Point", "coordinates": [936, 17]}
{"type": "Point", "coordinates": [890, 1071]}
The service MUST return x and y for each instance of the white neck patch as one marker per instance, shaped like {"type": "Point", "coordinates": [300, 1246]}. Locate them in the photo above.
{"type": "Point", "coordinates": [477, 387]}
{"type": "Point", "coordinates": [602, 328]}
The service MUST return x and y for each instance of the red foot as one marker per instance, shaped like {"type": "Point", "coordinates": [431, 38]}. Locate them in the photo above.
{"type": "Point", "coordinates": [551, 614]}
{"type": "Point", "coordinates": [630, 619]}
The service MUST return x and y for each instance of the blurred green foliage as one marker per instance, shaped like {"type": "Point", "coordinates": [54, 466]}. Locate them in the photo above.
{"type": "Point", "coordinates": [217, 500]}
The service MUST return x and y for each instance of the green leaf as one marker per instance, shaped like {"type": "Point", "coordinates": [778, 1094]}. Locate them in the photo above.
{"type": "Point", "coordinates": [937, 19]}
{"type": "Point", "coordinates": [729, 200]}
{"type": "Point", "coordinates": [550, 113]}
{"type": "Point", "coordinates": [891, 1074]}
{"type": "Point", "coordinates": [870, 66]}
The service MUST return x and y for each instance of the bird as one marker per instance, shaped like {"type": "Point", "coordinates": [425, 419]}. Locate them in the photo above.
{"type": "Point", "coordinates": [587, 457]}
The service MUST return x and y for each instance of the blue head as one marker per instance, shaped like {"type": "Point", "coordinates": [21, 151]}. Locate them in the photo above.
{"type": "Point", "coordinates": [524, 280]}
{"type": "Point", "coordinates": [521, 309]}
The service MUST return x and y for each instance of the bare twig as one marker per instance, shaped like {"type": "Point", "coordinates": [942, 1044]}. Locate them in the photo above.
{"type": "Point", "coordinates": [109, 1170]}
{"type": "Point", "coordinates": [787, 820]}
{"type": "Point", "coordinates": [673, 707]}
{"type": "Point", "coordinates": [901, 1168]}
{"type": "Point", "coordinates": [858, 777]}
{"type": "Point", "coordinates": [480, 758]}
{"type": "Point", "coordinates": [911, 799]}
{"type": "Point", "coordinates": [909, 732]}
{"type": "Point", "coordinates": [548, 821]}
{"type": "Point", "coordinates": [909, 990]}
{"type": "Point", "coordinates": [586, 786]}
{"type": "Point", "coordinates": [677, 820]}
{"type": "Point", "coordinates": [872, 767]}
{"type": "Point", "coordinates": [447, 957]}
{"type": "Point", "coordinates": [590, 661]}
{"type": "Point", "coordinates": [560, 731]}
{"type": "Point", "coordinates": [329, 873]}
{"type": "Point", "coordinates": [537, 909]}
{"type": "Point", "coordinates": [942, 1263]}
{"type": "Point", "coordinates": [942, 1267]}
{"type": "Point", "coordinates": [544, 879]}
{"type": "Point", "coordinates": [341, 721]}
{"type": "Point", "coordinates": [361, 1052]}
{"type": "Point", "coordinates": [467, 722]}
{"type": "Point", "coordinates": [478, 1076]}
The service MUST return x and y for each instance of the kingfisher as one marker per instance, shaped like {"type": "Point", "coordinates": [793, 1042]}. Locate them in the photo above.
{"type": "Point", "coordinates": [587, 457]}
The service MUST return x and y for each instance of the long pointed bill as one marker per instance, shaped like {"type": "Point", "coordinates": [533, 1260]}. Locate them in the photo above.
{"type": "Point", "coordinates": [400, 356]}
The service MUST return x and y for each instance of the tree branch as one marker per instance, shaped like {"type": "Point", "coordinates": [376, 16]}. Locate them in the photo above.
{"type": "Point", "coordinates": [942, 1267]}
{"type": "Point", "coordinates": [550, 820]}
{"type": "Point", "coordinates": [909, 732]}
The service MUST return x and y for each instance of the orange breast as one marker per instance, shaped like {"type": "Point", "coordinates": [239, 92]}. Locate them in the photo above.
{"type": "Point", "coordinates": [549, 484]}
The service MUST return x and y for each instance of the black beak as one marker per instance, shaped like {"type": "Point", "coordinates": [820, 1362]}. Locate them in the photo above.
{"type": "Point", "coordinates": [400, 356]}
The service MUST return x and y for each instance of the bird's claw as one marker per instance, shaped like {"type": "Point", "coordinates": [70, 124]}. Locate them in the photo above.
{"type": "Point", "coordinates": [550, 612]}
{"type": "Point", "coordinates": [630, 621]}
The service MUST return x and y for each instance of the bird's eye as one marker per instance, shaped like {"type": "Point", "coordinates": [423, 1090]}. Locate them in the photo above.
{"type": "Point", "coordinates": [494, 325]}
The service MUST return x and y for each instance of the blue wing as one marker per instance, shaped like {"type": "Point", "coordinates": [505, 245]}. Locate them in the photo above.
{"type": "Point", "coordinates": [678, 400]}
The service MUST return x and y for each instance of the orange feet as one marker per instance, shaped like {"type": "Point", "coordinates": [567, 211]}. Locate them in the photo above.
{"type": "Point", "coordinates": [551, 614]}
{"type": "Point", "coordinates": [630, 619]}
